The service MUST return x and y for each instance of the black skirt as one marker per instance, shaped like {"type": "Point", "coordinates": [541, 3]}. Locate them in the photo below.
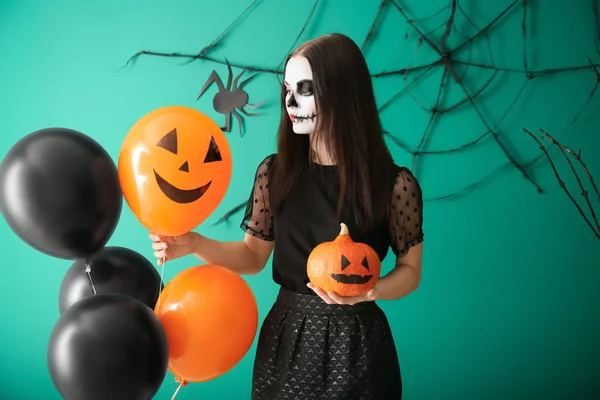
{"type": "Point", "coordinates": [308, 349]}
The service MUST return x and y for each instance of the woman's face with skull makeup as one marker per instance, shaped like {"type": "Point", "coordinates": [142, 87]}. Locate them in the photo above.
{"type": "Point", "coordinates": [299, 98]}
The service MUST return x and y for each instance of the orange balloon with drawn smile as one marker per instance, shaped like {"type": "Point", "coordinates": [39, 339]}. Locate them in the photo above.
{"type": "Point", "coordinates": [174, 168]}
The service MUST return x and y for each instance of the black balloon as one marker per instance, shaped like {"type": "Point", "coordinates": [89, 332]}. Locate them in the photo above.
{"type": "Point", "coordinates": [108, 347]}
{"type": "Point", "coordinates": [60, 193]}
{"type": "Point", "coordinates": [113, 270]}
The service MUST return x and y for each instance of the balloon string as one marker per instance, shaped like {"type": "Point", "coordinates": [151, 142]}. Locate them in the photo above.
{"type": "Point", "coordinates": [162, 273]}
{"type": "Point", "coordinates": [88, 270]}
{"type": "Point", "coordinates": [182, 384]}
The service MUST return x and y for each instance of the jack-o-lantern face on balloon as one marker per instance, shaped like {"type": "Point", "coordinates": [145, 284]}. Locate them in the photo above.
{"type": "Point", "coordinates": [174, 168]}
{"type": "Point", "coordinates": [183, 196]}
{"type": "Point", "coordinates": [343, 266]}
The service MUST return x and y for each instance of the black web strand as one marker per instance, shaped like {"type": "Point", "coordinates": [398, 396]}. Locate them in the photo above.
{"type": "Point", "coordinates": [471, 186]}
{"type": "Point", "coordinates": [231, 213]}
{"type": "Point", "coordinates": [398, 49]}
{"type": "Point", "coordinates": [484, 30]}
{"type": "Point", "coordinates": [373, 25]}
{"type": "Point", "coordinates": [413, 97]}
{"type": "Point", "coordinates": [484, 35]}
{"type": "Point", "coordinates": [399, 143]}
{"type": "Point", "coordinates": [218, 39]}
{"type": "Point", "coordinates": [249, 68]}
{"type": "Point", "coordinates": [578, 158]}
{"type": "Point", "coordinates": [546, 71]}
{"type": "Point", "coordinates": [586, 103]}
{"type": "Point", "coordinates": [404, 71]}
{"type": "Point", "coordinates": [432, 116]}
{"type": "Point", "coordinates": [595, 69]}
{"type": "Point", "coordinates": [469, 59]}
{"type": "Point", "coordinates": [513, 161]}
{"type": "Point", "coordinates": [434, 30]}
{"type": "Point", "coordinates": [306, 22]}
{"type": "Point", "coordinates": [411, 22]}
{"type": "Point", "coordinates": [202, 55]}
{"type": "Point", "coordinates": [561, 182]}
{"type": "Point", "coordinates": [449, 25]}
{"type": "Point", "coordinates": [467, 99]}
{"type": "Point", "coordinates": [404, 90]}
{"type": "Point", "coordinates": [571, 124]}
{"type": "Point", "coordinates": [564, 150]}
{"type": "Point", "coordinates": [435, 14]}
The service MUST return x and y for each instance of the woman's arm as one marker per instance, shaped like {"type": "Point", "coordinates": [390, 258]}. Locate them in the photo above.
{"type": "Point", "coordinates": [244, 257]}
{"type": "Point", "coordinates": [404, 278]}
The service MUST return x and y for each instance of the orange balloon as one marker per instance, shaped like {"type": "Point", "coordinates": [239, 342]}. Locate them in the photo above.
{"type": "Point", "coordinates": [174, 168]}
{"type": "Point", "coordinates": [210, 316]}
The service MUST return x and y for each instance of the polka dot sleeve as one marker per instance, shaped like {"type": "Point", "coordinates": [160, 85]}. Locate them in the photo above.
{"type": "Point", "coordinates": [258, 219]}
{"type": "Point", "coordinates": [406, 213]}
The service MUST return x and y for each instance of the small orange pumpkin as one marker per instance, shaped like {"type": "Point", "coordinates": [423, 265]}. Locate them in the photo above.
{"type": "Point", "coordinates": [343, 266]}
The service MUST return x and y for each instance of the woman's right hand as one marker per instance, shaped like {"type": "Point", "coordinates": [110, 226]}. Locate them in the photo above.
{"type": "Point", "coordinates": [170, 248]}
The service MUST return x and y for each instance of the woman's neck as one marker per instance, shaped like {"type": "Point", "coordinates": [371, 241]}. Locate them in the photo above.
{"type": "Point", "coordinates": [320, 153]}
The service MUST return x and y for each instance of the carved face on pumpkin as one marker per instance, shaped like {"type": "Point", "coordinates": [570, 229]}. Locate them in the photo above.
{"type": "Point", "coordinates": [174, 168]}
{"type": "Point", "coordinates": [343, 266]}
{"type": "Point", "coordinates": [349, 278]}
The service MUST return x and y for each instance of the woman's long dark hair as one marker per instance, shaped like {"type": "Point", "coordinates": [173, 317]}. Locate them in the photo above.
{"type": "Point", "coordinates": [347, 124]}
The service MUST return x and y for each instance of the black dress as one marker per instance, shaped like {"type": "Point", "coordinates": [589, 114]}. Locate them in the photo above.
{"type": "Point", "coordinates": [308, 349]}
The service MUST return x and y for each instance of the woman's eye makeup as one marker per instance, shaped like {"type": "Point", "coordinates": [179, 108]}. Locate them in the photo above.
{"type": "Point", "coordinates": [305, 87]}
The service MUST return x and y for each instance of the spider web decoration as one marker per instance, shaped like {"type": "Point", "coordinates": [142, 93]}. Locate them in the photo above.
{"type": "Point", "coordinates": [454, 61]}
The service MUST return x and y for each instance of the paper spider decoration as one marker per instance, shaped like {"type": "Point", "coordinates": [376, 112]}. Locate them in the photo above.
{"type": "Point", "coordinates": [228, 99]}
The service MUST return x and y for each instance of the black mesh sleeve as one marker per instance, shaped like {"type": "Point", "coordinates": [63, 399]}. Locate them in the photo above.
{"type": "Point", "coordinates": [406, 213]}
{"type": "Point", "coordinates": [258, 218]}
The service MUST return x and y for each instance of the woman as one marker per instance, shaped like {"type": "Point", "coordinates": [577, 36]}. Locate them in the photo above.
{"type": "Point", "coordinates": [332, 166]}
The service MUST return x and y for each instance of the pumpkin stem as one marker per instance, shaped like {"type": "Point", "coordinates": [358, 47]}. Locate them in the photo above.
{"type": "Point", "coordinates": [344, 230]}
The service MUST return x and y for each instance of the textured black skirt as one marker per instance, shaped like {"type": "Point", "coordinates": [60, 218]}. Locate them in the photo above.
{"type": "Point", "coordinates": [308, 349]}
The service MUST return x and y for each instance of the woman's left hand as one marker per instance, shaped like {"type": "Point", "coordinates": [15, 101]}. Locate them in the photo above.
{"type": "Point", "coordinates": [333, 298]}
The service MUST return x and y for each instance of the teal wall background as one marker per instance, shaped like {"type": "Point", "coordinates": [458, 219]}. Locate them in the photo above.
{"type": "Point", "coordinates": [509, 302]}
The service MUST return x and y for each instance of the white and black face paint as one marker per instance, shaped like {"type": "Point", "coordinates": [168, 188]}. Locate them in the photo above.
{"type": "Point", "coordinates": [300, 99]}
